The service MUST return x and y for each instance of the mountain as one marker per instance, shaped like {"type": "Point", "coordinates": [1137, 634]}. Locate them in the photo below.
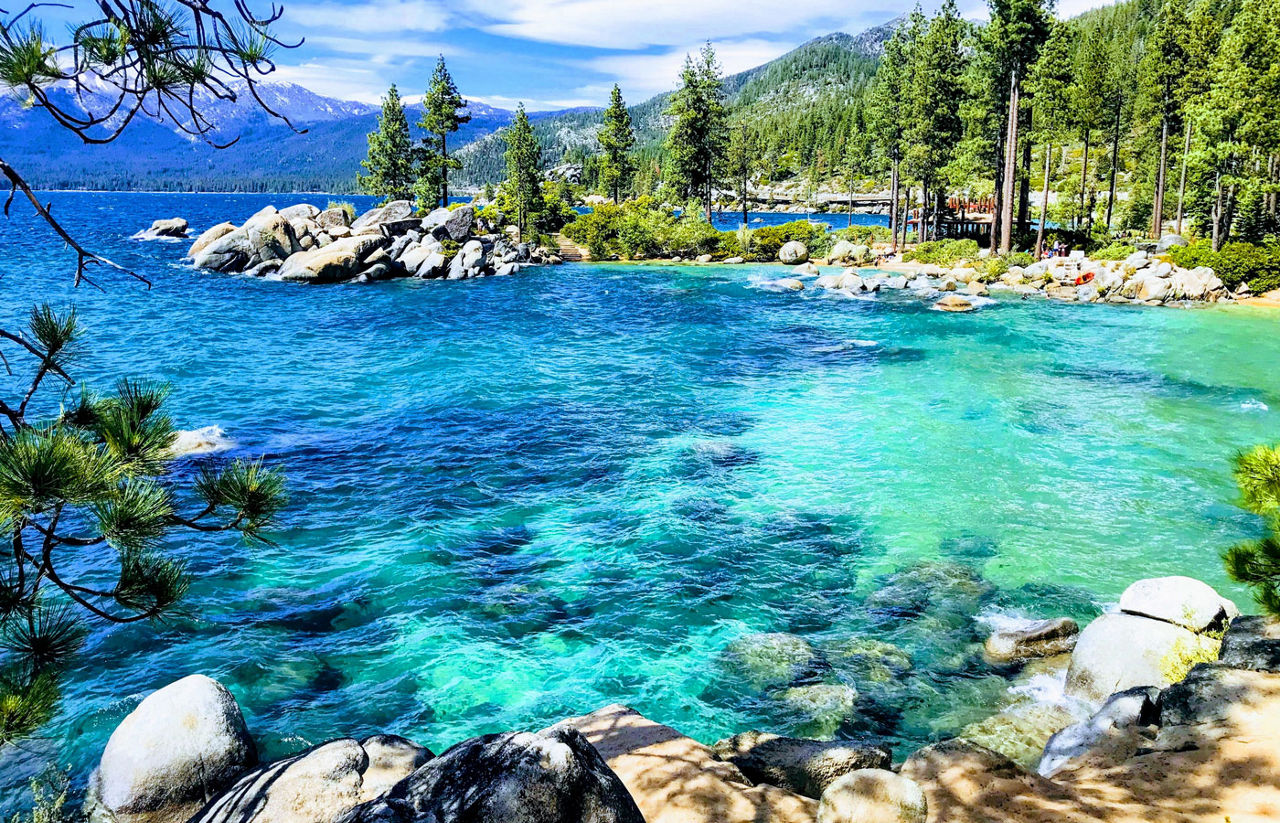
{"type": "Point", "coordinates": [154, 153]}
{"type": "Point", "coordinates": [823, 74]}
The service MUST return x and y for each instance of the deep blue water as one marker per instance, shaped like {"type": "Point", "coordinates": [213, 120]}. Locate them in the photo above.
{"type": "Point", "coordinates": [514, 499]}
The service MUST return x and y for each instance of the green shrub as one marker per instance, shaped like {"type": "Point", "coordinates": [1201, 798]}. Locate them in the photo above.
{"type": "Point", "coordinates": [1235, 263]}
{"type": "Point", "coordinates": [349, 208]}
{"type": "Point", "coordinates": [1115, 251]}
{"type": "Point", "coordinates": [767, 240]}
{"type": "Point", "coordinates": [864, 235]}
{"type": "Point", "coordinates": [943, 252]}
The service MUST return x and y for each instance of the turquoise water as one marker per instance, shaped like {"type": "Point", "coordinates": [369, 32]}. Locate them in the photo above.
{"type": "Point", "coordinates": [515, 499]}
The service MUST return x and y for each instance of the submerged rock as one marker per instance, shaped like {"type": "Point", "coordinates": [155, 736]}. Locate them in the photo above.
{"type": "Point", "coordinates": [1044, 638]}
{"type": "Point", "coordinates": [865, 660]}
{"type": "Point", "coordinates": [169, 227]}
{"type": "Point", "coordinates": [770, 660]}
{"type": "Point", "coordinates": [183, 744]}
{"type": "Point", "coordinates": [873, 796]}
{"type": "Point", "coordinates": [953, 303]}
{"type": "Point", "coordinates": [820, 709]}
{"type": "Point", "coordinates": [552, 776]}
{"type": "Point", "coordinates": [804, 766]}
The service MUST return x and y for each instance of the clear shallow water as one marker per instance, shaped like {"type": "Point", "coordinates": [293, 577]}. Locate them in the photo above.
{"type": "Point", "coordinates": [516, 499]}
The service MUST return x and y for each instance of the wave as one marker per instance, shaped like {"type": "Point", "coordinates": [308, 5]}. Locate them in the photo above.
{"type": "Point", "coordinates": [207, 440]}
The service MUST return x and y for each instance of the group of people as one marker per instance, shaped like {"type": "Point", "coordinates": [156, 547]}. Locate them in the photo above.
{"type": "Point", "coordinates": [1058, 249]}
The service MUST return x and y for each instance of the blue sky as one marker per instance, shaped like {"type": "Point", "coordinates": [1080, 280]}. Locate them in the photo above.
{"type": "Point", "coordinates": [550, 54]}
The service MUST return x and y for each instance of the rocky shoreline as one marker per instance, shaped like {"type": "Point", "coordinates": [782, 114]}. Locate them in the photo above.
{"type": "Point", "coordinates": [304, 244]}
{"type": "Point", "coordinates": [1180, 722]}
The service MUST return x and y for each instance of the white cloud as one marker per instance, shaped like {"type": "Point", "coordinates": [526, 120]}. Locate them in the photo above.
{"type": "Point", "coordinates": [536, 104]}
{"type": "Point", "coordinates": [385, 50]}
{"type": "Point", "coordinates": [644, 75]}
{"type": "Point", "coordinates": [343, 79]}
{"type": "Point", "coordinates": [634, 25]}
{"type": "Point", "coordinates": [371, 16]}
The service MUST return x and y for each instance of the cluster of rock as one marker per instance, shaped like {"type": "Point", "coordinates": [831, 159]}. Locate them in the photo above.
{"type": "Point", "coordinates": [1168, 744]}
{"type": "Point", "coordinates": [305, 244]}
{"type": "Point", "coordinates": [184, 754]}
{"type": "Point", "coordinates": [171, 228]}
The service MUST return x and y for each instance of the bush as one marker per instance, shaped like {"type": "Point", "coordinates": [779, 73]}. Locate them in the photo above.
{"type": "Point", "coordinates": [767, 240]}
{"type": "Point", "coordinates": [864, 235]}
{"type": "Point", "coordinates": [943, 252]}
{"type": "Point", "coordinates": [349, 208]}
{"type": "Point", "coordinates": [1235, 263]}
{"type": "Point", "coordinates": [1115, 251]}
{"type": "Point", "coordinates": [1256, 563]}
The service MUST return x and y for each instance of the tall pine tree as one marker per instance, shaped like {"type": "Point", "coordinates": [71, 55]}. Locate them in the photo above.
{"type": "Point", "coordinates": [617, 140]}
{"type": "Point", "coordinates": [888, 115]}
{"type": "Point", "coordinates": [443, 113]}
{"type": "Point", "coordinates": [523, 186]}
{"type": "Point", "coordinates": [695, 144]}
{"type": "Point", "coordinates": [393, 160]}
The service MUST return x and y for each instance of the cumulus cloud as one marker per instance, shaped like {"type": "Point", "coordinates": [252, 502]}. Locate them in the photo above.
{"type": "Point", "coordinates": [637, 25]}
{"type": "Point", "coordinates": [643, 75]}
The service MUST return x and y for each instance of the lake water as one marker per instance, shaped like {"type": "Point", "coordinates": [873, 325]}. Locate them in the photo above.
{"type": "Point", "coordinates": [515, 499]}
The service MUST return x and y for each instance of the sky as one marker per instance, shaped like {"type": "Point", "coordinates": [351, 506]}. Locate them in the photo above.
{"type": "Point", "coordinates": [548, 54]}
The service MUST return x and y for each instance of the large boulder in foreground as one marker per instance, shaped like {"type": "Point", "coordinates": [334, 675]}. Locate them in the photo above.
{"type": "Point", "coordinates": [390, 213]}
{"type": "Point", "coordinates": [675, 779]}
{"type": "Point", "coordinates": [209, 236]}
{"type": "Point", "coordinates": [552, 776]}
{"type": "Point", "coordinates": [1130, 709]}
{"type": "Point", "coordinates": [1120, 651]}
{"type": "Point", "coordinates": [1253, 643]}
{"type": "Point", "coordinates": [873, 796]}
{"type": "Point", "coordinates": [1182, 601]}
{"type": "Point", "coordinates": [182, 745]}
{"type": "Point", "coordinates": [319, 785]}
{"type": "Point", "coordinates": [340, 260]}
{"type": "Point", "coordinates": [793, 253]}
{"type": "Point", "coordinates": [807, 767]}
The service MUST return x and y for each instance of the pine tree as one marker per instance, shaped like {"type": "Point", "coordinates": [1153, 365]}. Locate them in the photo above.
{"type": "Point", "coordinates": [1050, 86]}
{"type": "Point", "coordinates": [1203, 37]}
{"type": "Point", "coordinates": [523, 186]}
{"type": "Point", "coordinates": [1015, 33]}
{"type": "Point", "coordinates": [1161, 77]}
{"type": "Point", "coordinates": [1257, 562]}
{"type": "Point", "coordinates": [617, 140]}
{"type": "Point", "coordinates": [695, 144]}
{"type": "Point", "coordinates": [443, 113]}
{"type": "Point", "coordinates": [393, 161]}
{"type": "Point", "coordinates": [741, 165]}
{"type": "Point", "coordinates": [888, 115]}
{"type": "Point", "coordinates": [857, 157]}
{"type": "Point", "coordinates": [934, 126]}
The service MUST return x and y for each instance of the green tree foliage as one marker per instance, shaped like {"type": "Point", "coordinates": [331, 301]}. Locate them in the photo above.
{"type": "Point", "coordinates": [1050, 87]}
{"type": "Point", "coordinates": [888, 109]}
{"type": "Point", "coordinates": [696, 142]}
{"type": "Point", "coordinates": [617, 139]}
{"type": "Point", "coordinates": [1257, 562]}
{"type": "Point", "coordinates": [740, 166]}
{"type": "Point", "coordinates": [523, 186]}
{"type": "Point", "coordinates": [393, 159]}
{"type": "Point", "coordinates": [87, 487]}
{"type": "Point", "coordinates": [443, 113]}
{"type": "Point", "coordinates": [934, 128]}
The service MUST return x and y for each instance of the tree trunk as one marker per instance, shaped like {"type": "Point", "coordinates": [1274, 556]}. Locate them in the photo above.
{"type": "Point", "coordinates": [1115, 158]}
{"type": "Point", "coordinates": [444, 171]}
{"type": "Point", "coordinates": [922, 232]}
{"type": "Point", "coordinates": [1157, 210]}
{"type": "Point", "coordinates": [745, 217]}
{"type": "Point", "coordinates": [893, 205]}
{"type": "Point", "coordinates": [998, 187]}
{"type": "Point", "coordinates": [1217, 212]}
{"type": "Point", "coordinates": [1044, 200]}
{"type": "Point", "coordinates": [1024, 185]}
{"type": "Point", "coordinates": [1084, 178]}
{"type": "Point", "coordinates": [940, 203]}
{"type": "Point", "coordinates": [1010, 168]}
{"type": "Point", "coordinates": [1182, 181]}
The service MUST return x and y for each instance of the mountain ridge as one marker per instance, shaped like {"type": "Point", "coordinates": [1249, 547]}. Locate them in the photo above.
{"type": "Point", "coordinates": [157, 154]}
